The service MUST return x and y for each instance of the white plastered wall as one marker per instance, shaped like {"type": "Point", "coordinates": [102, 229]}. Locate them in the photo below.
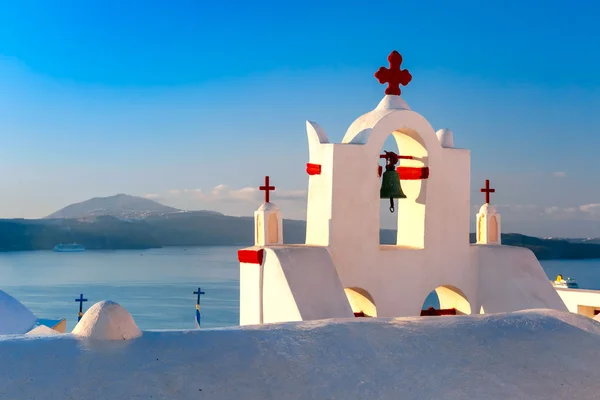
{"type": "Point", "coordinates": [433, 251]}
{"type": "Point", "coordinates": [295, 283]}
{"type": "Point", "coordinates": [512, 279]}
{"type": "Point", "coordinates": [580, 301]}
{"type": "Point", "coordinates": [434, 245]}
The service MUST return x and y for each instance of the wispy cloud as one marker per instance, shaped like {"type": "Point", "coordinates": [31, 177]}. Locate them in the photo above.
{"type": "Point", "coordinates": [531, 211]}
{"type": "Point", "coordinates": [223, 192]}
{"type": "Point", "coordinates": [233, 201]}
{"type": "Point", "coordinates": [560, 174]}
{"type": "Point", "coordinates": [593, 209]}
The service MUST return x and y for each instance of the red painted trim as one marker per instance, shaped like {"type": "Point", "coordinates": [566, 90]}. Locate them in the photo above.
{"type": "Point", "coordinates": [313, 169]}
{"type": "Point", "coordinates": [251, 256]}
{"type": "Point", "coordinates": [413, 173]}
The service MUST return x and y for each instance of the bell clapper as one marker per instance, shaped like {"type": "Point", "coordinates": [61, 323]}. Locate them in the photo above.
{"type": "Point", "coordinates": [391, 204]}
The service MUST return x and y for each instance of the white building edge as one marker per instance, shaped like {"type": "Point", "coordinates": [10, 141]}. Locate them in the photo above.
{"type": "Point", "coordinates": [343, 270]}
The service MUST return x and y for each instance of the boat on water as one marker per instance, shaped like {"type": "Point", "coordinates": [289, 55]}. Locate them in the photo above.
{"type": "Point", "coordinates": [69, 248]}
{"type": "Point", "coordinates": [569, 283]}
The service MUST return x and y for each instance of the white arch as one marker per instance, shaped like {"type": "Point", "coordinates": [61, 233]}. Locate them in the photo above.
{"type": "Point", "coordinates": [361, 301]}
{"type": "Point", "coordinates": [452, 297]}
{"type": "Point", "coordinates": [416, 137]}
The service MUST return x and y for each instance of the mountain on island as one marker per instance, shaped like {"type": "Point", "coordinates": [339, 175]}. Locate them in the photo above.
{"type": "Point", "coordinates": [129, 222]}
{"type": "Point", "coordinates": [122, 206]}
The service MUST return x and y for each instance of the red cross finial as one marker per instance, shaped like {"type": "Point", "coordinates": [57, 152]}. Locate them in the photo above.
{"type": "Point", "coordinates": [487, 190]}
{"type": "Point", "coordinates": [393, 76]}
{"type": "Point", "coordinates": [267, 189]}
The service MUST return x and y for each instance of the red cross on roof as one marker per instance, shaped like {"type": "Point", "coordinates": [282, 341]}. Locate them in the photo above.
{"type": "Point", "coordinates": [393, 76]}
{"type": "Point", "coordinates": [267, 189]}
{"type": "Point", "coordinates": [487, 190]}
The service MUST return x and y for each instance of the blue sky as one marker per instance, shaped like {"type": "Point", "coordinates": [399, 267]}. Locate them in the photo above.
{"type": "Point", "coordinates": [164, 98]}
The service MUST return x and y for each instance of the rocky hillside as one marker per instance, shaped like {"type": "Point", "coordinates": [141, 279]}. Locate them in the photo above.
{"type": "Point", "coordinates": [120, 206]}
{"type": "Point", "coordinates": [206, 228]}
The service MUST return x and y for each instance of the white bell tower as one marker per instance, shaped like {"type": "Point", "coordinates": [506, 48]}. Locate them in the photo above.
{"type": "Point", "coordinates": [488, 220]}
{"type": "Point", "coordinates": [268, 221]}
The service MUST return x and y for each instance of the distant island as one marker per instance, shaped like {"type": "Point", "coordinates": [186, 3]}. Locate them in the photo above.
{"type": "Point", "coordinates": [130, 222]}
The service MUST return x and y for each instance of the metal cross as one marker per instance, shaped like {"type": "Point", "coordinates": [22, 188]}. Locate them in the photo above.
{"type": "Point", "coordinates": [487, 190]}
{"type": "Point", "coordinates": [80, 300]}
{"type": "Point", "coordinates": [267, 189]}
{"type": "Point", "coordinates": [394, 76]}
{"type": "Point", "coordinates": [198, 317]}
{"type": "Point", "coordinates": [198, 292]}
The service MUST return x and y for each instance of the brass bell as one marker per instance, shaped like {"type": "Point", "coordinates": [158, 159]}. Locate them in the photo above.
{"type": "Point", "coordinates": [390, 182]}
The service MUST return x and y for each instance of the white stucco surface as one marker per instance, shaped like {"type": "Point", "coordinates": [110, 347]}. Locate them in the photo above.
{"type": "Point", "coordinates": [42, 330]}
{"type": "Point", "coordinates": [107, 320]}
{"type": "Point", "coordinates": [446, 137]}
{"type": "Point", "coordinates": [295, 283]}
{"type": "Point", "coordinates": [488, 225]}
{"type": "Point", "coordinates": [511, 279]}
{"type": "Point", "coordinates": [581, 301]}
{"type": "Point", "coordinates": [268, 225]}
{"type": "Point", "coordinates": [526, 355]}
{"type": "Point", "coordinates": [15, 318]}
{"type": "Point", "coordinates": [432, 250]}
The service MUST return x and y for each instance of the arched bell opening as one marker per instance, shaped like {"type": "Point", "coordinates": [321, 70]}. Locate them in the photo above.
{"type": "Point", "coordinates": [446, 300]}
{"type": "Point", "coordinates": [361, 302]}
{"type": "Point", "coordinates": [409, 197]}
{"type": "Point", "coordinates": [388, 221]}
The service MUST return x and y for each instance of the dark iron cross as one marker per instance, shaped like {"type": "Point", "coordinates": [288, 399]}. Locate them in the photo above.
{"type": "Point", "coordinates": [394, 76]}
{"type": "Point", "coordinates": [198, 292]}
{"type": "Point", "coordinates": [487, 190]}
{"type": "Point", "coordinates": [267, 189]}
{"type": "Point", "coordinates": [80, 300]}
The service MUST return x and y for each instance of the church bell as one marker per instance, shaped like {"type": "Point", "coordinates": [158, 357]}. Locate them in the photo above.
{"type": "Point", "coordinates": [390, 186]}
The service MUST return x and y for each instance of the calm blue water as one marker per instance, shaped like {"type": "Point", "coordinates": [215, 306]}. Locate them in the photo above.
{"type": "Point", "coordinates": [157, 286]}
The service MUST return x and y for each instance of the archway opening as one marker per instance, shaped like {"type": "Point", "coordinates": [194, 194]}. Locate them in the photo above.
{"type": "Point", "coordinates": [388, 221]}
{"type": "Point", "coordinates": [446, 300]}
{"type": "Point", "coordinates": [408, 218]}
{"type": "Point", "coordinates": [361, 302]}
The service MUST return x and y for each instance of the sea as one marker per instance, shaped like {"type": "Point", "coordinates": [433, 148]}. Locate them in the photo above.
{"type": "Point", "coordinates": [157, 286]}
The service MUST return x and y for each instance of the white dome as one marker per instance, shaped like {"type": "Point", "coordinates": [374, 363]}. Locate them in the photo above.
{"type": "Point", "coordinates": [446, 137]}
{"type": "Point", "coordinates": [487, 208]}
{"type": "Point", "coordinates": [268, 207]}
{"type": "Point", "coordinates": [391, 102]}
{"type": "Point", "coordinates": [15, 318]}
{"type": "Point", "coordinates": [107, 320]}
{"type": "Point", "coordinates": [42, 330]}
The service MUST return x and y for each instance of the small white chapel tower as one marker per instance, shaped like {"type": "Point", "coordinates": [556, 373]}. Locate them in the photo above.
{"type": "Point", "coordinates": [488, 220]}
{"type": "Point", "coordinates": [268, 222]}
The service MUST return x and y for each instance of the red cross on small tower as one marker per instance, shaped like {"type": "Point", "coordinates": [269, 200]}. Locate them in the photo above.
{"type": "Point", "coordinates": [393, 76]}
{"type": "Point", "coordinates": [487, 190]}
{"type": "Point", "coordinates": [267, 189]}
